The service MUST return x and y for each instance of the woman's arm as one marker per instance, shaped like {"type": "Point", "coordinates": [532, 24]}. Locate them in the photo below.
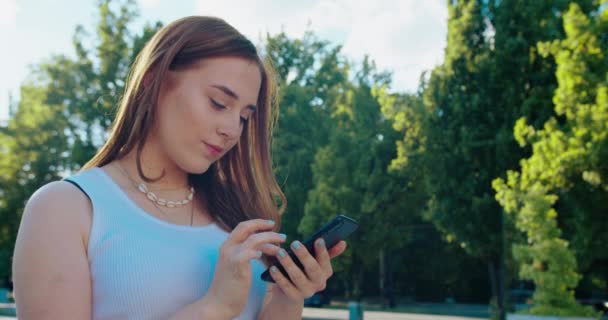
{"type": "Point", "coordinates": [202, 309]}
{"type": "Point", "coordinates": [51, 273]}
{"type": "Point", "coordinates": [278, 306]}
{"type": "Point", "coordinates": [50, 268]}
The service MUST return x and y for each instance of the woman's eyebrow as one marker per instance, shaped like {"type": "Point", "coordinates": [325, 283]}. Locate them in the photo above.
{"type": "Point", "coordinates": [231, 94]}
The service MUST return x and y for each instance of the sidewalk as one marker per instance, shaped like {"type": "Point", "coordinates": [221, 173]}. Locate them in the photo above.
{"type": "Point", "coordinates": [332, 314]}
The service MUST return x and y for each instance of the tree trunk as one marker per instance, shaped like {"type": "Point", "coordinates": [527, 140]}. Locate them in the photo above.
{"type": "Point", "coordinates": [381, 279]}
{"type": "Point", "coordinates": [495, 271]}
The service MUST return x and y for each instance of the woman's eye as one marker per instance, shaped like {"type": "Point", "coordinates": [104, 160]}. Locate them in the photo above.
{"type": "Point", "coordinates": [217, 104]}
{"type": "Point", "coordinates": [220, 106]}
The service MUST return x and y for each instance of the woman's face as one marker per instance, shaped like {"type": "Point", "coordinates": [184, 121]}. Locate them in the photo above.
{"type": "Point", "coordinates": [202, 110]}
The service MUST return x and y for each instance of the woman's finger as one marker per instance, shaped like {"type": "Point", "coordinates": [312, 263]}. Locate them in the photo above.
{"type": "Point", "coordinates": [312, 268]}
{"type": "Point", "coordinates": [337, 249]}
{"type": "Point", "coordinates": [246, 228]}
{"type": "Point", "coordinates": [286, 286]}
{"type": "Point", "coordinates": [269, 249]}
{"type": "Point", "coordinates": [258, 239]}
{"type": "Point", "coordinates": [323, 259]}
{"type": "Point", "coordinates": [297, 276]}
{"type": "Point", "coordinates": [246, 255]}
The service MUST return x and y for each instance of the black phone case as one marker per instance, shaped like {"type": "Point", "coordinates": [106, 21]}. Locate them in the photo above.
{"type": "Point", "coordinates": [337, 229]}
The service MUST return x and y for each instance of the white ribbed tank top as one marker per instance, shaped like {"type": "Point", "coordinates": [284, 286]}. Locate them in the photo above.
{"type": "Point", "coordinates": [145, 268]}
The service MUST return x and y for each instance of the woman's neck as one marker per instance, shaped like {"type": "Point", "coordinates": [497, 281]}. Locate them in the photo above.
{"type": "Point", "coordinates": [152, 166]}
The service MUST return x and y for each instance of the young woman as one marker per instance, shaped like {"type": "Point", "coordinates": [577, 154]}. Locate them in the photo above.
{"type": "Point", "coordinates": [172, 217]}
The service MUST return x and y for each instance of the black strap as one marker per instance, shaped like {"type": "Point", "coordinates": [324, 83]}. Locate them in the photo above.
{"type": "Point", "coordinates": [77, 186]}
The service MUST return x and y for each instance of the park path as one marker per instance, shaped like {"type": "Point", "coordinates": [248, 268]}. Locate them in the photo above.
{"type": "Point", "coordinates": [331, 314]}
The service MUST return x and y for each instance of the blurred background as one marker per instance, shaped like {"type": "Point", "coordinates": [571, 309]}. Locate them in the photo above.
{"type": "Point", "coordinates": [468, 138]}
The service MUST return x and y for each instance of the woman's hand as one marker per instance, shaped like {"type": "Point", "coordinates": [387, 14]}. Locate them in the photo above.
{"type": "Point", "coordinates": [317, 269]}
{"type": "Point", "coordinates": [232, 279]}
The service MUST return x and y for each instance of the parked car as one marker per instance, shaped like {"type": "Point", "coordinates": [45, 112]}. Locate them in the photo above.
{"type": "Point", "coordinates": [520, 299]}
{"type": "Point", "coordinates": [317, 300]}
{"type": "Point", "coordinates": [597, 303]}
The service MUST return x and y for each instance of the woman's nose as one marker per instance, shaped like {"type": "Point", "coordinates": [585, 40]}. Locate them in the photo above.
{"type": "Point", "coordinates": [230, 127]}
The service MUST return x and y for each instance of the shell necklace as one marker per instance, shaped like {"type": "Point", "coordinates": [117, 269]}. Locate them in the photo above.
{"type": "Point", "coordinates": [154, 198]}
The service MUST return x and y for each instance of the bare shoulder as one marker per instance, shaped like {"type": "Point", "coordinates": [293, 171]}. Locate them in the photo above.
{"type": "Point", "coordinates": [50, 267]}
{"type": "Point", "coordinates": [59, 192]}
{"type": "Point", "coordinates": [60, 202]}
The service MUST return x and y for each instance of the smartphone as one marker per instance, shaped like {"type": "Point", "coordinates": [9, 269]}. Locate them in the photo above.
{"type": "Point", "coordinates": [337, 229]}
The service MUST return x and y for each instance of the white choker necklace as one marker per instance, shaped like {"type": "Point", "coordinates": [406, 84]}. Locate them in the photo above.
{"type": "Point", "coordinates": [162, 202]}
{"type": "Point", "coordinates": [153, 197]}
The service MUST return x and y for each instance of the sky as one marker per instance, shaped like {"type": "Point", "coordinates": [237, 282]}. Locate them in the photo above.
{"type": "Point", "coordinates": [406, 37]}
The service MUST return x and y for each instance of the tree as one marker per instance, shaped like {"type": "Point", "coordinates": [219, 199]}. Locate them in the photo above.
{"type": "Point", "coordinates": [91, 85]}
{"type": "Point", "coordinates": [311, 75]}
{"type": "Point", "coordinates": [350, 177]}
{"type": "Point", "coordinates": [32, 153]}
{"type": "Point", "coordinates": [457, 134]}
{"type": "Point", "coordinates": [566, 170]}
{"type": "Point", "coordinates": [65, 108]}
{"type": "Point", "coordinates": [461, 137]}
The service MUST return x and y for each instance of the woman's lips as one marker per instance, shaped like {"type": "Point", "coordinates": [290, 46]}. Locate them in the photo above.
{"type": "Point", "coordinates": [215, 150]}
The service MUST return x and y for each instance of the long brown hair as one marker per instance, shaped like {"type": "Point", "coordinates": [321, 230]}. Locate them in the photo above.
{"type": "Point", "coordinates": [241, 185]}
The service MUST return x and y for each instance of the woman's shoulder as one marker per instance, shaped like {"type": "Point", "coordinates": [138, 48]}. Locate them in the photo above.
{"type": "Point", "coordinates": [50, 254]}
{"type": "Point", "coordinates": [60, 204]}
{"type": "Point", "coordinates": [59, 194]}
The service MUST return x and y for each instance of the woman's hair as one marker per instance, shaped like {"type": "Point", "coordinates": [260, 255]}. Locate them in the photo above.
{"type": "Point", "coordinates": [239, 186]}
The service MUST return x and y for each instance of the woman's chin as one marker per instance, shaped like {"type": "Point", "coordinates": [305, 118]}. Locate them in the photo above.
{"type": "Point", "coordinates": [198, 168]}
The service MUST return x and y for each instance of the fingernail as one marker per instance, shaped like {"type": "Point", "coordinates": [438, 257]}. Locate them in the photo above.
{"type": "Point", "coordinates": [259, 253]}
{"type": "Point", "coordinates": [320, 243]}
{"type": "Point", "coordinates": [273, 269]}
{"type": "Point", "coordinates": [282, 253]}
{"type": "Point", "coordinates": [296, 245]}
{"type": "Point", "coordinates": [284, 236]}
{"type": "Point", "coordinates": [270, 222]}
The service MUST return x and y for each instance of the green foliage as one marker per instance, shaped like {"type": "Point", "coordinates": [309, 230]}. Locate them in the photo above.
{"type": "Point", "coordinates": [65, 108]}
{"type": "Point", "coordinates": [520, 80]}
{"type": "Point", "coordinates": [456, 138]}
{"type": "Point", "coordinates": [461, 136]}
{"type": "Point", "coordinates": [32, 152]}
{"type": "Point", "coordinates": [311, 73]}
{"type": "Point", "coordinates": [91, 85]}
{"type": "Point", "coordinates": [568, 158]}
{"type": "Point", "coordinates": [350, 177]}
